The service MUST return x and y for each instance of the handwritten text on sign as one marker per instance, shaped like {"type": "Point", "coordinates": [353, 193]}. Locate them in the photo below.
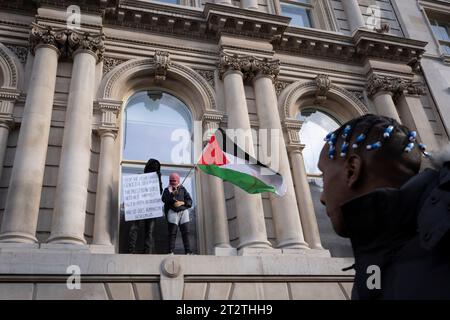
{"type": "Point", "coordinates": [142, 199]}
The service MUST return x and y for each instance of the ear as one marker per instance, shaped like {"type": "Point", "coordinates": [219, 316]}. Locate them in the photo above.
{"type": "Point", "coordinates": [353, 168]}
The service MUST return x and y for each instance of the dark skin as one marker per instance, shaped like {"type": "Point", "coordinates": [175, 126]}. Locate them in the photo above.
{"type": "Point", "coordinates": [348, 178]}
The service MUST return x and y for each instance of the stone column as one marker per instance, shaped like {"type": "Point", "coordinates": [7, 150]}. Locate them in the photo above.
{"type": "Point", "coordinates": [249, 209]}
{"type": "Point", "coordinates": [354, 15]}
{"type": "Point", "coordinates": [413, 114]}
{"type": "Point", "coordinates": [216, 193]}
{"type": "Point", "coordinates": [103, 203]}
{"type": "Point", "coordinates": [8, 98]}
{"type": "Point", "coordinates": [249, 4]}
{"type": "Point", "coordinates": [69, 213]}
{"type": "Point", "coordinates": [285, 213]}
{"type": "Point", "coordinates": [24, 194]}
{"type": "Point", "coordinates": [381, 90]}
{"type": "Point", "coordinates": [302, 190]}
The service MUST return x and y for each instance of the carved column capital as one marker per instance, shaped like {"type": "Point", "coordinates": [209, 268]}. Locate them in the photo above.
{"type": "Point", "coordinates": [292, 129]}
{"type": "Point", "coordinates": [267, 68]}
{"type": "Point", "coordinates": [92, 42]}
{"type": "Point", "coordinates": [211, 122]}
{"type": "Point", "coordinates": [377, 84]}
{"type": "Point", "coordinates": [394, 85]}
{"type": "Point", "coordinates": [416, 88]}
{"type": "Point", "coordinates": [228, 62]}
{"type": "Point", "coordinates": [8, 97]}
{"type": "Point", "coordinates": [250, 66]}
{"type": "Point", "coordinates": [109, 110]}
{"type": "Point", "coordinates": [48, 36]}
{"type": "Point", "coordinates": [67, 41]}
{"type": "Point", "coordinates": [162, 61]}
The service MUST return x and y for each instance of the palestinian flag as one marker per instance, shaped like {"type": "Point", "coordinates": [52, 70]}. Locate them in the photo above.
{"type": "Point", "coordinates": [225, 159]}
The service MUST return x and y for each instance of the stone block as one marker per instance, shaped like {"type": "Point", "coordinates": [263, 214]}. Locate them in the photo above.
{"type": "Point", "coordinates": [258, 251]}
{"type": "Point", "coordinates": [120, 291]}
{"type": "Point", "coordinates": [348, 287]}
{"type": "Point", "coordinates": [60, 291]}
{"type": "Point", "coordinates": [16, 291]}
{"type": "Point", "coordinates": [225, 251]}
{"type": "Point", "coordinates": [194, 291]}
{"type": "Point", "coordinates": [247, 291]}
{"type": "Point", "coordinates": [147, 291]}
{"type": "Point", "coordinates": [276, 291]}
{"type": "Point", "coordinates": [316, 291]}
{"type": "Point", "coordinates": [219, 291]}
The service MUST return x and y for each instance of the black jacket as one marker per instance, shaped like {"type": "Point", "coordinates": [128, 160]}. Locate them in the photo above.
{"type": "Point", "coordinates": [169, 199]}
{"type": "Point", "coordinates": [405, 232]}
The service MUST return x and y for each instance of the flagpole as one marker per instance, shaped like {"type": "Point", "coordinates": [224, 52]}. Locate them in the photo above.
{"type": "Point", "coordinates": [195, 166]}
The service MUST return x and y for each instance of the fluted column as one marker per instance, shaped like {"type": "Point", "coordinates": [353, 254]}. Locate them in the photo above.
{"type": "Point", "coordinates": [249, 209]}
{"type": "Point", "coordinates": [216, 193]}
{"type": "Point", "coordinates": [24, 193]}
{"type": "Point", "coordinates": [7, 100]}
{"type": "Point", "coordinates": [381, 90]}
{"type": "Point", "coordinates": [410, 108]}
{"type": "Point", "coordinates": [69, 213]}
{"type": "Point", "coordinates": [354, 15]}
{"type": "Point", "coordinates": [104, 195]}
{"type": "Point", "coordinates": [284, 208]}
{"type": "Point", "coordinates": [302, 189]}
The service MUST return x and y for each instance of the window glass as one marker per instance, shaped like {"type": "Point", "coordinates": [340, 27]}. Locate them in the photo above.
{"type": "Point", "coordinates": [316, 125]}
{"type": "Point", "coordinates": [301, 17]}
{"type": "Point", "coordinates": [157, 125]}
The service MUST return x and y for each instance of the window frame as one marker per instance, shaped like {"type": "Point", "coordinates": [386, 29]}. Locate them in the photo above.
{"type": "Point", "coordinates": [321, 14]}
{"type": "Point", "coordinates": [133, 163]}
{"type": "Point", "coordinates": [429, 10]}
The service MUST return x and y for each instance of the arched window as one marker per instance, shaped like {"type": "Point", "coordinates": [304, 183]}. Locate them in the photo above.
{"type": "Point", "coordinates": [158, 125]}
{"type": "Point", "coordinates": [316, 125]}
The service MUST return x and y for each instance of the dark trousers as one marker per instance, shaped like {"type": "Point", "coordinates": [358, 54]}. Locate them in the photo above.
{"type": "Point", "coordinates": [149, 226]}
{"type": "Point", "coordinates": [173, 229]}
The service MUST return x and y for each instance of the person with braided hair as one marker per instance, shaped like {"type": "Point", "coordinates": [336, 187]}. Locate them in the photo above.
{"type": "Point", "coordinates": [396, 216]}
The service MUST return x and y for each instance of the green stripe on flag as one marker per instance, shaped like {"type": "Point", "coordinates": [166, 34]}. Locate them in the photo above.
{"type": "Point", "coordinates": [242, 180]}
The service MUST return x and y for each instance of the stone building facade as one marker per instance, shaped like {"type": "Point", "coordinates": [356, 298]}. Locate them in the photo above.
{"type": "Point", "coordinates": [73, 89]}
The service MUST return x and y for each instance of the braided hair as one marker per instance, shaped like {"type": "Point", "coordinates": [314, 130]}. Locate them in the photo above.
{"type": "Point", "coordinates": [378, 137]}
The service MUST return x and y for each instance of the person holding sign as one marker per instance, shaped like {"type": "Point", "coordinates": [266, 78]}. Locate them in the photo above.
{"type": "Point", "coordinates": [177, 201]}
{"type": "Point", "coordinates": [142, 204]}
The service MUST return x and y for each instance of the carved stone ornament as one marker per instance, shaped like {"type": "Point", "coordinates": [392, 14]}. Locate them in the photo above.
{"type": "Point", "coordinates": [323, 83]}
{"type": "Point", "coordinates": [48, 35]}
{"type": "Point", "coordinates": [162, 61]}
{"type": "Point", "coordinates": [78, 40]}
{"type": "Point", "coordinates": [250, 66]}
{"type": "Point", "coordinates": [280, 86]}
{"type": "Point", "coordinates": [394, 85]}
{"type": "Point", "coordinates": [67, 41]}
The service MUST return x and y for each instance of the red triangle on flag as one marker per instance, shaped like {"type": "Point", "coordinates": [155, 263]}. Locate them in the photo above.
{"type": "Point", "coordinates": [213, 154]}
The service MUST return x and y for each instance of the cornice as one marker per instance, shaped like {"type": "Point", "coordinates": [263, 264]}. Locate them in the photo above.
{"type": "Point", "coordinates": [214, 20]}
{"type": "Point", "coordinates": [364, 44]}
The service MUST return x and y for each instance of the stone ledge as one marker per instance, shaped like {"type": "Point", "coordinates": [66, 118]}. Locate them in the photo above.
{"type": "Point", "coordinates": [48, 262]}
